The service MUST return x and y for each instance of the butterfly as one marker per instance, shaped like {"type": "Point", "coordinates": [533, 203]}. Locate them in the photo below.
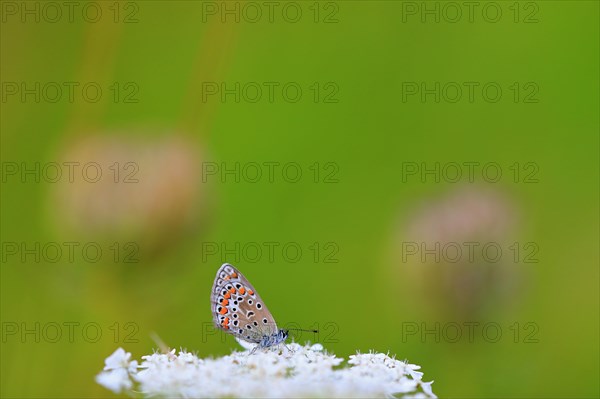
{"type": "Point", "coordinates": [239, 310]}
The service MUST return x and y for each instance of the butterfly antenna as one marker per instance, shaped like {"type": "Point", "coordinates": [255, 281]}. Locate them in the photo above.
{"type": "Point", "coordinates": [301, 329]}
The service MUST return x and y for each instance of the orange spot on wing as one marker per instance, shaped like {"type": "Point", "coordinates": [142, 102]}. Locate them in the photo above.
{"type": "Point", "coordinates": [226, 278]}
{"type": "Point", "coordinates": [225, 323]}
{"type": "Point", "coordinates": [227, 296]}
{"type": "Point", "coordinates": [223, 311]}
{"type": "Point", "coordinates": [234, 275]}
{"type": "Point", "coordinates": [250, 292]}
{"type": "Point", "coordinates": [224, 302]}
{"type": "Point", "coordinates": [242, 290]}
{"type": "Point", "coordinates": [232, 290]}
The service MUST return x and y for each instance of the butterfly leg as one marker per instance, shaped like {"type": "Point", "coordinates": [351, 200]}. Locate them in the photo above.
{"type": "Point", "coordinates": [289, 349]}
{"type": "Point", "coordinates": [254, 349]}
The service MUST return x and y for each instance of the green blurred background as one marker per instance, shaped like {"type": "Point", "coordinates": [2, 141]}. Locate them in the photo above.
{"type": "Point", "coordinates": [175, 213]}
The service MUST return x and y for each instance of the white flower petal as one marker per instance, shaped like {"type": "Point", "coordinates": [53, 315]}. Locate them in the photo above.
{"type": "Point", "coordinates": [316, 347]}
{"type": "Point", "coordinates": [115, 380]}
{"type": "Point", "coordinates": [118, 359]}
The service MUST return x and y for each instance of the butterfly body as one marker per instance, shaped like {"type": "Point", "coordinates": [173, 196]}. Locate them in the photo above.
{"type": "Point", "coordinates": [274, 339]}
{"type": "Point", "coordinates": [239, 310]}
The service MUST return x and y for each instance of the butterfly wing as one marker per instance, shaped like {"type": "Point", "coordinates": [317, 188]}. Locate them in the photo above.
{"type": "Point", "coordinates": [237, 308]}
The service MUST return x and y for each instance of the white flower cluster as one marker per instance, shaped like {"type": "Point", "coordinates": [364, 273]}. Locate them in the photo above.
{"type": "Point", "coordinates": [289, 371]}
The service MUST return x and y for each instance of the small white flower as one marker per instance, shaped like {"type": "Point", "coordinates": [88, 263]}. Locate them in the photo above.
{"type": "Point", "coordinates": [316, 347]}
{"type": "Point", "coordinates": [116, 380]}
{"type": "Point", "coordinates": [117, 370]}
{"type": "Point", "coordinates": [299, 371]}
{"type": "Point", "coordinates": [118, 359]}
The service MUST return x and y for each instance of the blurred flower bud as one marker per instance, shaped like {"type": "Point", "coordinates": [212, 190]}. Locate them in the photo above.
{"type": "Point", "coordinates": [456, 250]}
{"type": "Point", "coordinates": [142, 189]}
